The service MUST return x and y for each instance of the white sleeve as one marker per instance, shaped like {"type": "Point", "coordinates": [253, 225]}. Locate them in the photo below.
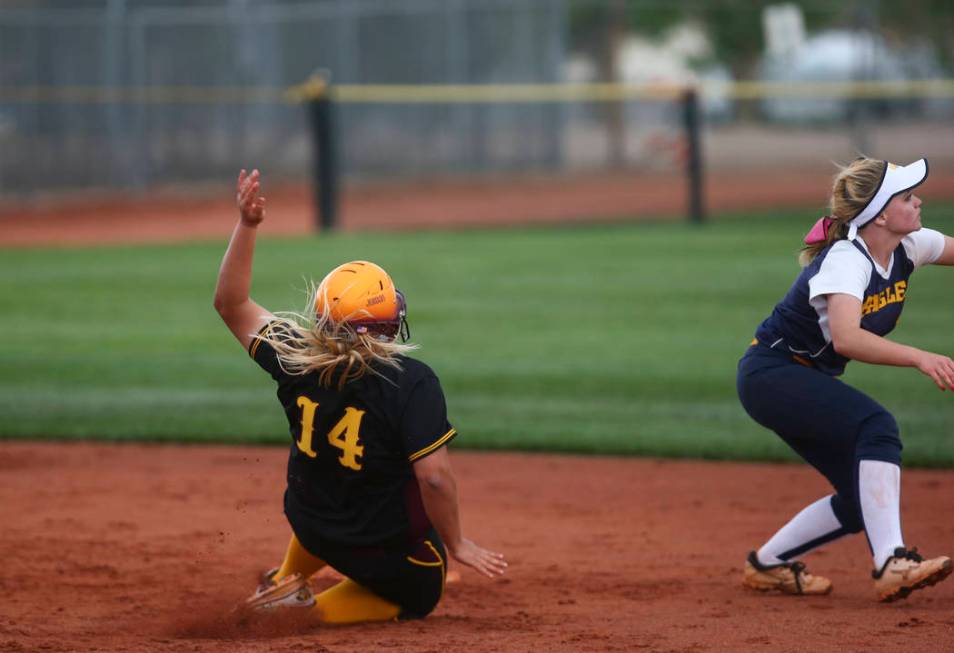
{"type": "Point", "coordinates": [924, 246]}
{"type": "Point", "coordinates": [844, 270]}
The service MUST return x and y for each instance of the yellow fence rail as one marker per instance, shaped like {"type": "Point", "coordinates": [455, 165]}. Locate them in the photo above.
{"type": "Point", "coordinates": [471, 93]}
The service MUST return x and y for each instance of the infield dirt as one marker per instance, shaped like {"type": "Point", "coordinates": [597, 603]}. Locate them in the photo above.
{"type": "Point", "coordinates": [149, 547]}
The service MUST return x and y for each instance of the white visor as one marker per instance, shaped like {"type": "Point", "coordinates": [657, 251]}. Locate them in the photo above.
{"type": "Point", "coordinates": [896, 180]}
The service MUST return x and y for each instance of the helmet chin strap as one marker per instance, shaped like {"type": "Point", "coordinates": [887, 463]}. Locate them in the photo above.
{"type": "Point", "coordinates": [404, 331]}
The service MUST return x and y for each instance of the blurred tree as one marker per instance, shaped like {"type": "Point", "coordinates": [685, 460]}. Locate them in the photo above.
{"type": "Point", "coordinates": [734, 27]}
{"type": "Point", "coordinates": [597, 28]}
{"type": "Point", "coordinates": [928, 21]}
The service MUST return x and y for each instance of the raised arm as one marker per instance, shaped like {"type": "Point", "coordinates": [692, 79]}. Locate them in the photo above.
{"type": "Point", "coordinates": [439, 494]}
{"type": "Point", "coordinates": [242, 315]}
{"type": "Point", "coordinates": [849, 339]}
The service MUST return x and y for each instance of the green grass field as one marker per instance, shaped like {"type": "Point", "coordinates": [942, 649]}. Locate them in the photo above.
{"type": "Point", "coordinates": [611, 339]}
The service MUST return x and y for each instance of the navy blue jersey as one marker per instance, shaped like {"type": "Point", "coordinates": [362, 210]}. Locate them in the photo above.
{"type": "Point", "coordinates": [350, 475]}
{"type": "Point", "coordinates": [799, 323]}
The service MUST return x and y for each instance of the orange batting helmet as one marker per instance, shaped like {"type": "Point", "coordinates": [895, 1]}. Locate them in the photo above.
{"type": "Point", "coordinates": [362, 295]}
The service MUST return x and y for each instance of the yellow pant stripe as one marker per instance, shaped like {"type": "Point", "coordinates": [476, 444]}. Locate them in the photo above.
{"type": "Point", "coordinates": [439, 563]}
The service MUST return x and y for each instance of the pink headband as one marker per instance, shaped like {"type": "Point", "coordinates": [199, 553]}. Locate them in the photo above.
{"type": "Point", "coordinates": [819, 232]}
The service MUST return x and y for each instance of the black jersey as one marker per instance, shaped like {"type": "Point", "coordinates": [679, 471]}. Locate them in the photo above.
{"type": "Point", "coordinates": [350, 476]}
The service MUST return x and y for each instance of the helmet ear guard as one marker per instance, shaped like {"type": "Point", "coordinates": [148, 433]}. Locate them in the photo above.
{"type": "Point", "coordinates": [388, 329]}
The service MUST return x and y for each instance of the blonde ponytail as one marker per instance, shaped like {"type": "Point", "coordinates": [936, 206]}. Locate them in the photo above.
{"type": "Point", "coordinates": [307, 343]}
{"type": "Point", "coordinates": [853, 187]}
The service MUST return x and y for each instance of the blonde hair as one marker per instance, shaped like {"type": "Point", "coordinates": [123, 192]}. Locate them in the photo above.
{"type": "Point", "coordinates": [315, 343]}
{"type": "Point", "coordinates": [854, 186]}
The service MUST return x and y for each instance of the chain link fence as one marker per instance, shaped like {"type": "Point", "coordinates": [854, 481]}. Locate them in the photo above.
{"type": "Point", "coordinates": [133, 95]}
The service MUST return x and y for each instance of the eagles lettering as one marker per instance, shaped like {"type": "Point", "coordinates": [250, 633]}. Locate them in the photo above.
{"type": "Point", "coordinates": [874, 303]}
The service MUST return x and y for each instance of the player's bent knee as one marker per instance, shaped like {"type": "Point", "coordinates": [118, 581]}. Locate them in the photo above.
{"type": "Point", "coordinates": [878, 439]}
{"type": "Point", "coordinates": [415, 613]}
{"type": "Point", "coordinates": [419, 606]}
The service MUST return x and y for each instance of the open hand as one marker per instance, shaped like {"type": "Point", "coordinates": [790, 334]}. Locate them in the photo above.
{"type": "Point", "coordinates": [251, 206]}
{"type": "Point", "coordinates": [938, 367]}
{"type": "Point", "coordinates": [488, 563]}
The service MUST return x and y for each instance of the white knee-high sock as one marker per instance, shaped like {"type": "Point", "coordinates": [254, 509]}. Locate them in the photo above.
{"type": "Point", "coordinates": [879, 491]}
{"type": "Point", "coordinates": [817, 522]}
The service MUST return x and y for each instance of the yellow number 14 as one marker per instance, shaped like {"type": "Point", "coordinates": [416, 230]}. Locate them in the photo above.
{"type": "Point", "coordinates": [344, 435]}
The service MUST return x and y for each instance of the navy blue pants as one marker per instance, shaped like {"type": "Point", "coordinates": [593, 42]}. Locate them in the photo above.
{"type": "Point", "coordinates": [827, 422]}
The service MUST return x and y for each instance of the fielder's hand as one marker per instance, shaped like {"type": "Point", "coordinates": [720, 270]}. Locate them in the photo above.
{"type": "Point", "coordinates": [488, 563]}
{"type": "Point", "coordinates": [251, 206]}
{"type": "Point", "coordinates": [940, 368]}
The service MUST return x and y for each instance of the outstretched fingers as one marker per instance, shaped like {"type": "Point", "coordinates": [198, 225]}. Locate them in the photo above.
{"type": "Point", "coordinates": [941, 370]}
{"type": "Point", "coordinates": [944, 374]}
{"type": "Point", "coordinates": [245, 181]}
{"type": "Point", "coordinates": [250, 204]}
{"type": "Point", "coordinates": [492, 564]}
{"type": "Point", "coordinates": [487, 562]}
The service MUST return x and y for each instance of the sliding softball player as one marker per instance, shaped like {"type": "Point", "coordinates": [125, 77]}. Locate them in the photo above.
{"type": "Point", "coordinates": [370, 487]}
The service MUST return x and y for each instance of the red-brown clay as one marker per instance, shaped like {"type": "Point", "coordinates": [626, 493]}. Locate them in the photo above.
{"type": "Point", "coordinates": [149, 547]}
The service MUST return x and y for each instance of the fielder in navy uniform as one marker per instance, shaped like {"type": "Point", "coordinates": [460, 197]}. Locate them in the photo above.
{"type": "Point", "coordinates": [857, 266]}
{"type": "Point", "coordinates": [370, 491]}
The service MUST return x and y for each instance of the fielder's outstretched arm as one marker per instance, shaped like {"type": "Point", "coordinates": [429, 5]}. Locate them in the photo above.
{"type": "Point", "coordinates": [242, 315]}
{"type": "Point", "coordinates": [849, 339]}
{"type": "Point", "coordinates": [439, 494]}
